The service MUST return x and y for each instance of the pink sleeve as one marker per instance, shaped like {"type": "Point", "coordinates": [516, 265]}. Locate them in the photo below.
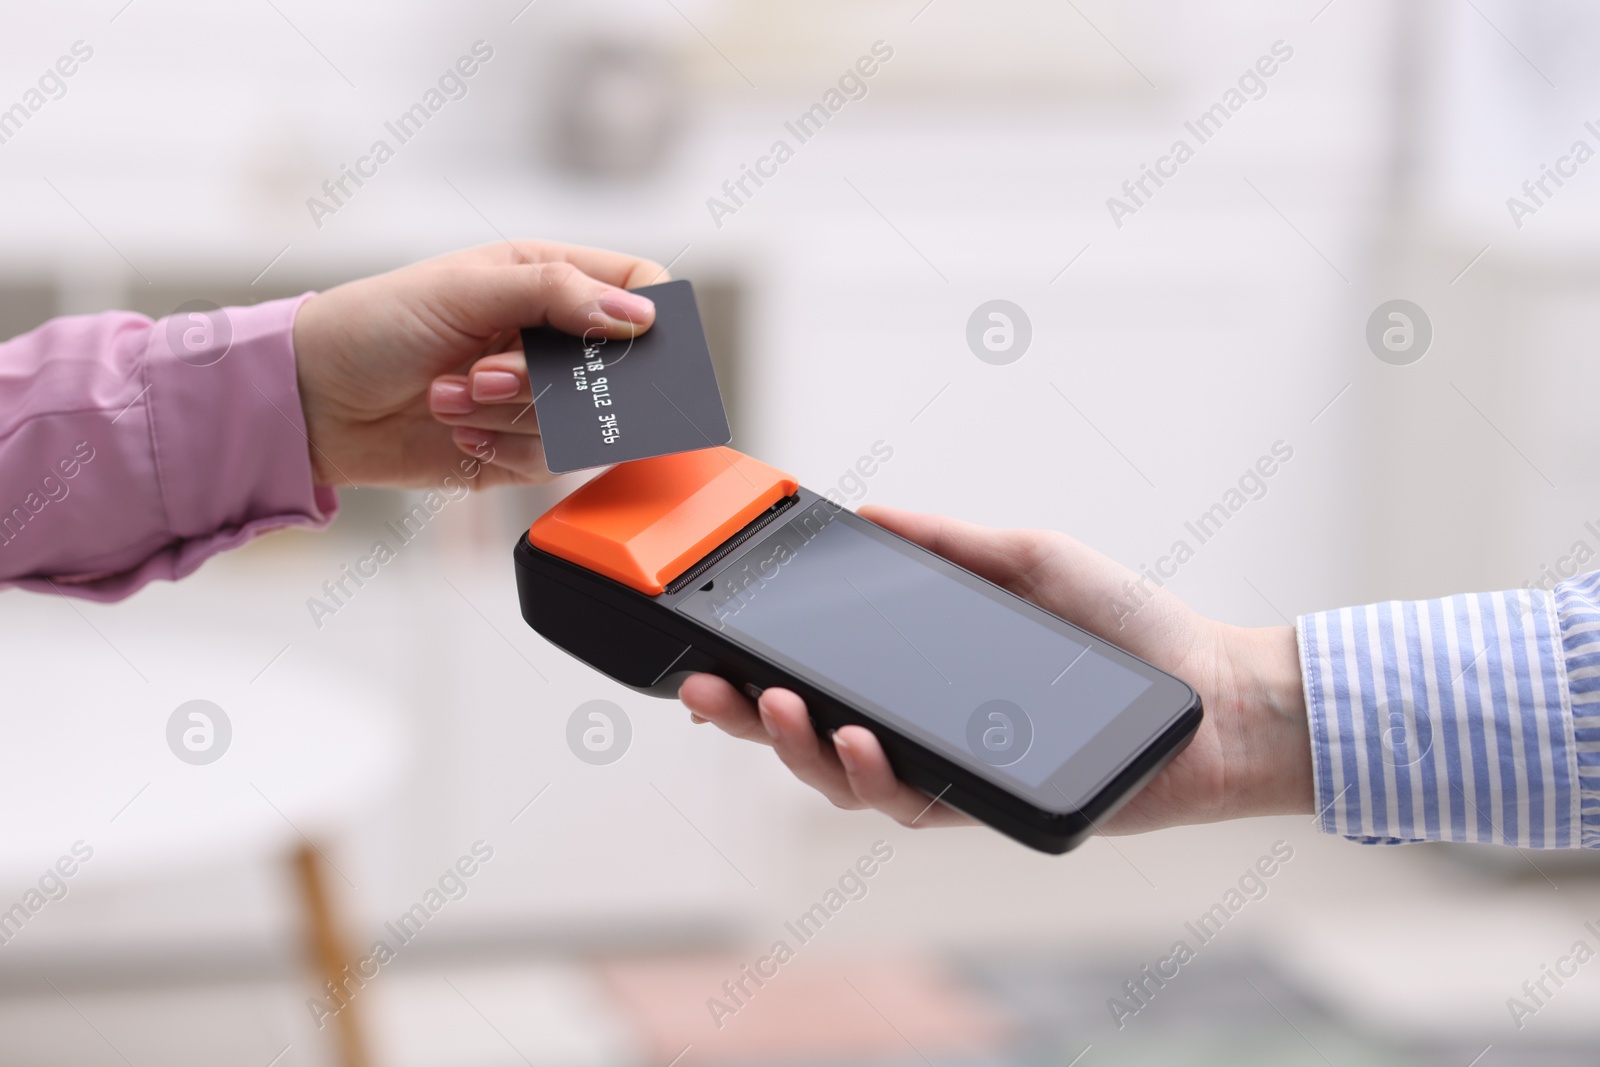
{"type": "Point", "coordinates": [121, 463]}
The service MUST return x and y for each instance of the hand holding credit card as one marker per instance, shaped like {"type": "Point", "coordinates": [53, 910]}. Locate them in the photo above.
{"type": "Point", "coordinates": [605, 401]}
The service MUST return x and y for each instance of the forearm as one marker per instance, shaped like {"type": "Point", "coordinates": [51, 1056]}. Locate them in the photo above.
{"type": "Point", "coordinates": [121, 463]}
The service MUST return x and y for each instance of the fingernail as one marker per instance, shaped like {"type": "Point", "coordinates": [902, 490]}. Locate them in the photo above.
{"type": "Point", "coordinates": [772, 729]}
{"type": "Point", "coordinates": [450, 398]}
{"type": "Point", "coordinates": [847, 755]}
{"type": "Point", "coordinates": [626, 307]}
{"type": "Point", "coordinates": [490, 385]}
{"type": "Point", "coordinates": [696, 719]}
{"type": "Point", "coordinates": [472, 437]}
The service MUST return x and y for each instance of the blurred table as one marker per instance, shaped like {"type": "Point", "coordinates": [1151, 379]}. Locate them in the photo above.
{"type": "Point", "coordinates": [90, 769]}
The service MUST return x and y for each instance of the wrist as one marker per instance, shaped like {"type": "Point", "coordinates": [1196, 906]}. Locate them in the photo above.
{"type": "Point", "coordinates": [308, 359]}
{"type": "Point", "coordinates": [1271, 746]}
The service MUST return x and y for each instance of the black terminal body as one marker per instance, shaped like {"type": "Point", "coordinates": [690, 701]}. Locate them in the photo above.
{"type": "Point", "coordinates": [759, 611]}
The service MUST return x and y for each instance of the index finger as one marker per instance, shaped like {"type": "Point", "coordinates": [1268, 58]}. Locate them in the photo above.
{"type": "Point", "coordinates": [602, 264]}
{"type": "Point", "coordinates": [1005, 557]}
{"type": "Point", "coordinates": [616, 268]}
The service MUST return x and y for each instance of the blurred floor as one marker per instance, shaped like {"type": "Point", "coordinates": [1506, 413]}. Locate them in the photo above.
{"type": "Point", "coordinates": [1012, 1011]}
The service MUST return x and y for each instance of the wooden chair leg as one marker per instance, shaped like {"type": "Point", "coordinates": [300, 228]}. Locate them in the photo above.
{"type": "Point", "coordinates": [329, 956]}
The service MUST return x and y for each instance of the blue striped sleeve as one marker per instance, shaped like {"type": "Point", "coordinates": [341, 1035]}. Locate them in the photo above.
{"type": "Point", "coordinates": [1470, 718]}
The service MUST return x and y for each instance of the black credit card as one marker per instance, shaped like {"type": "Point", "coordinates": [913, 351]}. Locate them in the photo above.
{"type": "Point", "coordinates": [601, 401]}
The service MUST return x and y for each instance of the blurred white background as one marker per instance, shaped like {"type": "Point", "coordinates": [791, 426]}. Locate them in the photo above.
{"type": "Point", "coordinates": [1168, 353]}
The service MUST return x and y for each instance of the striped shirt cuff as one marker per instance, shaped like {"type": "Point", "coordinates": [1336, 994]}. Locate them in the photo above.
{"type": "Point", "coordinates": [1578, 604]}
{"type": "Point", "coordinates": [1450, 720]}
